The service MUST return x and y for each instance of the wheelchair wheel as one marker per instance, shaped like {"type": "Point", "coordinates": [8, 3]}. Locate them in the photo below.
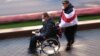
{"type": "Point", "coordinates": [50, 46]}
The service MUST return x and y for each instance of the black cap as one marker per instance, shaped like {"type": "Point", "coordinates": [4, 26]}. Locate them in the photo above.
{"type": "Point", "coordinates": [65, 1]}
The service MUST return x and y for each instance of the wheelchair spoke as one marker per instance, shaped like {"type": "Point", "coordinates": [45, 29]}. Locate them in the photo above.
{"type": "Point", "coordinates": [45, 46]}
{"type": "Point", "coordinates": [50, 46]}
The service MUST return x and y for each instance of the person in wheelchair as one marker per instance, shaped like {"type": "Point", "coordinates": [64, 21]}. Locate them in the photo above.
{"type": "Point", "coordinates": [47, 31]}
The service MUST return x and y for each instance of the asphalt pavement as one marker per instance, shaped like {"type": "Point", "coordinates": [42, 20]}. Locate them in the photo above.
{"type": "Point", "coordinates": [87, 44]}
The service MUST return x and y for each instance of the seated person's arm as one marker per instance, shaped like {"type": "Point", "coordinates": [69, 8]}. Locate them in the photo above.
{"type": "Point", "coordinates": [48, 30]}
{"type": "Point", "coordinates": [38, 30]}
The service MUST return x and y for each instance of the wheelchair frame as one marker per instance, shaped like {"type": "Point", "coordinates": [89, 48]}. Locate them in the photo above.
{"type": "Point", "coordinates": [42, 45]}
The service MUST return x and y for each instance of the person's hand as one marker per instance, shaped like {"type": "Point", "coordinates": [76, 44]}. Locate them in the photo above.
{"type": "Point", "coordinates": [33, 32]}
{"type": "Point", "coordinates": [37, 31]}
{"type": "Point", "coordinates": [37, 34]}
{"type": "Point", "coordinates": [57, 24]}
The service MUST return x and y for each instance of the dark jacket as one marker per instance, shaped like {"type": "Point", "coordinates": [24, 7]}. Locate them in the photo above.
{"type": "Point", "coordinates": [48, 28]}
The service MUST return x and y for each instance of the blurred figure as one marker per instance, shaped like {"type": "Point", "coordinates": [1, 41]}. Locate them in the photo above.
{"type": "Point", "coordinates": [68, 23]}
{"type": "Point", "coordinates": [46, 31]}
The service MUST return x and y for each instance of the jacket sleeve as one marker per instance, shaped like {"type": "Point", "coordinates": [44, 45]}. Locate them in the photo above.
{"type": "Point", "coordinates": [48, 30]}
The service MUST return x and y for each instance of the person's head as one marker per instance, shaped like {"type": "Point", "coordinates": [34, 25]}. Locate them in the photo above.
{"type": "Point", "coordinates": [45, 16]}
{"type": "Point", "coordinates": [65, 4]}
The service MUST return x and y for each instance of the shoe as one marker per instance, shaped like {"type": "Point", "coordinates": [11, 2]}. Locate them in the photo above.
{"type": "Point", "coordinates": [68, 48]}
{"type": "Point", "coordinates": [32, 51]}
{"type": "Point", "coordinates": [35, 53]}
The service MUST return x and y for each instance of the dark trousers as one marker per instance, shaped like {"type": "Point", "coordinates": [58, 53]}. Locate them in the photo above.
{"type": "Point", "coordinates": [70, 34]}
{"type": "Point", "coordinates": [33, 42]}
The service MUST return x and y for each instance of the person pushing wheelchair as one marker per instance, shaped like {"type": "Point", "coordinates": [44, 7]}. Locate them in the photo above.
{"type": "Point", "coordinates": [48, 30]}
{"type": "Point", "coordinates": [68, 23]}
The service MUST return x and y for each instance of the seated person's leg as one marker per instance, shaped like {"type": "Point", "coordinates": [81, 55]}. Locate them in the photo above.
{"type": "Point", "coordinates": [32, 45]}
{"type": "Point", "coordinates": [33, 42]}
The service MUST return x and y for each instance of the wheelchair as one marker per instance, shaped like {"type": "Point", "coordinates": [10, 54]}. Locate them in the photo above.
{"type": "Point", "coordinates": [48, 46]}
